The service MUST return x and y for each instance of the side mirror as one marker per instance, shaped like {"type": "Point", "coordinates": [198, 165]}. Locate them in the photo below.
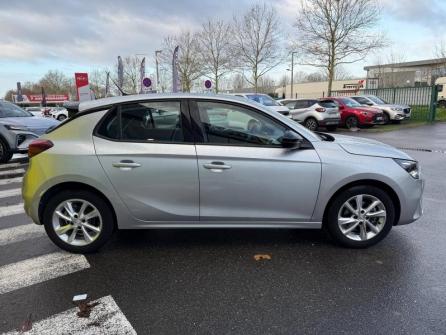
{"type": "Point", "coordinates": [291, 140]}
{"type": "Point", "coordinates": [369, 104]}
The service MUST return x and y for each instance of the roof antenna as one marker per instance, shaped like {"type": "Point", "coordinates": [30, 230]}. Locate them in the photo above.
{"type": "Point", "coordinates": [117, 86]}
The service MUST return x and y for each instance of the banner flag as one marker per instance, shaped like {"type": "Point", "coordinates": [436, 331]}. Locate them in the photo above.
{"type": "Point", "coordinates": [82, 86]}
{"type": "Point", "coordinates": [19, 92]}
{"type": "Point", "coordinates": [43, 98]}
{"type": "Point", "coordinates": [142, 74]}
{"type": "Point", "coordinates": [175, 77]}
{"type": "Point", "coordinates": [107, 84]}
{"type": "Point", "coordinates": [120, 73]}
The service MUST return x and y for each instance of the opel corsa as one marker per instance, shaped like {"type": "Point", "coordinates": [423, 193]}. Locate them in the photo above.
{"type": "Point", "coordinates": [203, 161]}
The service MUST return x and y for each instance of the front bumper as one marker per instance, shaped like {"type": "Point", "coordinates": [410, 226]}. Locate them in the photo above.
{"type": "Point", "coordinates": [412, 203]}
{"type": "Point", "coordinates": [20, 140]}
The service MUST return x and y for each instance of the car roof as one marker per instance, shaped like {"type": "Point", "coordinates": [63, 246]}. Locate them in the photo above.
{"type": "Point", "coordinates": [107, 102]}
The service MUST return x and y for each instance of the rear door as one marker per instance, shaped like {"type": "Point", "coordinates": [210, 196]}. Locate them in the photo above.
{"type": "Point", "coordinates": [147, 151]}
{"type": "Point", "coordinates": [246, 176]}
{"type": "Point", "coordinates": [300, 110]}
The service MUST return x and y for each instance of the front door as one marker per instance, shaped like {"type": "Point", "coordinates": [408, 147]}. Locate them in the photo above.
{"type": "Point", "coordinates": [245, 174]}
{"type": "Point", "coordinates": [147, 151]}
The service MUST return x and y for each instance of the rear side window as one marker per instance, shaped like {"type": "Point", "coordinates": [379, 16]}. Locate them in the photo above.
{"type": "Point", "coordinates": [301, 104]}
{"type": "Point", "coordinates": [144, 122]}
{"type": "Point", "coordinates": [328, 104]}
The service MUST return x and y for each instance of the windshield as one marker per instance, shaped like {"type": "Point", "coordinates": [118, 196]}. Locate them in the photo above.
{"type": "Point", "coordinates": [376, 100]}
{"type": "Point", "coordinates": [350, 102]}
{"type": "Point", "coordinates": [8, 109]}
{"type": "Point", "coordinates": [265, 100]}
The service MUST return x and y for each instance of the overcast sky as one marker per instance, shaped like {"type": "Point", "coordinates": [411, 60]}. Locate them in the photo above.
{"type": "Point", "coordinates": [75, 35]}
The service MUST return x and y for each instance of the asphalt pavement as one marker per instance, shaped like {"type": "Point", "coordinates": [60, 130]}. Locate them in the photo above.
{"type": "Point", "coordinates": [208, 282]}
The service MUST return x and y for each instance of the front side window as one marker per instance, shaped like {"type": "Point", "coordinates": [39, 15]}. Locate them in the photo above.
{"type": "Point", "coordinates": [145, 122]}
{"type": "Point", "coordinates": [361, 100]}
{"type": "Point", "coordinates": [8, 109]}
{"type": "Point", "coordinates": [377, 100]}
{"type": "Point", "coordinates": [227, 124]}
{"type": "Point", "coordinates": [301, 104]}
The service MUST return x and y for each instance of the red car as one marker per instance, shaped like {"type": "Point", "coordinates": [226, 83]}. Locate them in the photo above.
{"type": "Point", "coordinates": [355, 115]}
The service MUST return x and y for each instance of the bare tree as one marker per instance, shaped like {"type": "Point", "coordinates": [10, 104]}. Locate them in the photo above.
{"type": "Point", "coordinates": [190, 66]}
{"type": "Point", "coordinates": [237, 82]}
{"type": "Point", "coordinates": [215, 50]}
{"type": "Point", "coordinates": [267, 85]}
{"type": "Point", "coordinates": [334, 32]}
{"type": "Point", "coordinates": [257, 42]}
{"type": "Point", "coordinates": [97, 79]}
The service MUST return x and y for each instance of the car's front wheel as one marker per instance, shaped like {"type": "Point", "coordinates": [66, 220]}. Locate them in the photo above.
{"type": "Point", "coordinates": [78, 221]}
{"type": "Point", "coordinates": [61, 117]}
{"type": "Point", "coordinates": [360, 216]}
{"type": "Point", "coordinates": [351, 122]}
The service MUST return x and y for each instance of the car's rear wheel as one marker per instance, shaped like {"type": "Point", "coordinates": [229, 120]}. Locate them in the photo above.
{"type": "Point", "coordinates": [311, 123]}
{"type": "Point", "coordinates": [386, 118]}
{"type": "Point", "coordinates": [78, 221]}
{"type": "Point", "coordinates": [351, 122]}
{"type": "Point", "coordinates": [360, 216]}
{"type": "Point", "coordinates": [5, 153]}
{"type": "Point", "coordinates": [61, 117]}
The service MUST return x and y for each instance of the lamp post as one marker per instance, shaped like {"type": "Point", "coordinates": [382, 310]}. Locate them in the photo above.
{"type": "Point", "coordinates": [292, 73]}
{"type": "Point", "coordinates": [157, 52]}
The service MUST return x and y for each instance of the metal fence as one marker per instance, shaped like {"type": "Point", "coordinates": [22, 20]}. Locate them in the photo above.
{"type": "Point", "coordinates": [422, 100]}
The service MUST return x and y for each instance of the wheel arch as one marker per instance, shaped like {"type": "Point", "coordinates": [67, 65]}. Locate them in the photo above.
{"type": "Point", "coordinates": [368, 182]}
{"type": "Point", "coordinates": [73, 186]}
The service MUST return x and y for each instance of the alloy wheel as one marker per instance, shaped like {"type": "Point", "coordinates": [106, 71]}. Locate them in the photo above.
{"type": "Point", "coordinates": [362, 217]}
{"type": "Point", "coordinates": [311, 124]}
{"type": "Point", "coordinates": [351, 122]}
{"type": "Point", "coordinates": [77, 222]}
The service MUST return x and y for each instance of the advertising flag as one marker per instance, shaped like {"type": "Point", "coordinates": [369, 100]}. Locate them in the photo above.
{"type": "Point", "coordinates": [142, 74]}
{"type": "Point", "coordinates": [19, 92]}
{"type": "Point", "coordinates": [107, 84]}
{"type": "Point", "coordinates": [43, 98]}
{"type": "Point", "coordinates": [175, 76]}
{"type": "Point", "coordinates": [120, 73]}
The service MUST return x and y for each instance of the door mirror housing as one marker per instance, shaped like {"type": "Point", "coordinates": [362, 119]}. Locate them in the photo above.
{"type": "Point", "coordinates": [291, 140]}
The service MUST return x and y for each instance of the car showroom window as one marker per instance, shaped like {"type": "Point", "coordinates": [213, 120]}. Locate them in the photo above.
{"type": "Point", "coordinates": [152, 122]}
{"type": "Point", "coordinates": [233, 125]}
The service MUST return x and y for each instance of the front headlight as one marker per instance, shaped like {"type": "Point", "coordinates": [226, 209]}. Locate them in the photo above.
{"type": "Point", "coordinates": [15, 127]}
{"type": "Point", "coordinates": [410, 166]}
{"type": "Point", "coordinates": [398, 109]}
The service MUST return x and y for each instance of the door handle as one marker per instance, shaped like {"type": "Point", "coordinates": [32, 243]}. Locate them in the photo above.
{"type": "Point", "coordinates": [216, 166]}
{"type": "Point", "coordinates": [125, 164]}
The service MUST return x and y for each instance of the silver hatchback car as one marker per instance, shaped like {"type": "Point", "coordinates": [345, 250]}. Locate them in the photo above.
{"type": "Point", "coordinates": [204, 161]}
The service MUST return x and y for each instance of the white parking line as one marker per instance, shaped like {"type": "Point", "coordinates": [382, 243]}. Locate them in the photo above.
{"type": "Point", "coordinates": [11, 181]}
{"type": "Point", "coordinates": [10, 193]}
{"type": "Point", "coordinates": [11, 210]}
{"type": "Point", "coordinates": [39, 269]}
{"type": "Point", "coordinates": [20, 233]}
{"type": "Point", "coordinates": [12, 171]}
{"type": "Point", "coordinates": [11, 165]}
{"type": "Point", "coordinates": [105, 318]}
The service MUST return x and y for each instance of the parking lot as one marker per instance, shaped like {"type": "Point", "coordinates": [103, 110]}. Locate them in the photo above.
{"type": "Point", "coordinates": [208, 282]}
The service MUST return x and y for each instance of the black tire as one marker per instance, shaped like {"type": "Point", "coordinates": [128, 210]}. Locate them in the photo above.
{"type": "Point", "coordinates": [311, 123]}
{"type": "Point", "coordinates": [331, 217]}
{"type": "Point", "coordinates": [386, 118]}
{"type": "Point", "coordinates": [332, 128]}
{"type": "Point", "coordinates": [351, 122]}
{"type": "Point", "coordinates": [61, 117]}
{"type": "Point", "coordinates": [5, 153]}
{"type": "Point", "coordinates": [108, 220]}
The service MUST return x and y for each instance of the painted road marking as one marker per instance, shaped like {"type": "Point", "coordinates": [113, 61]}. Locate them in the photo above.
{"type": "Point", "coordinates": [11, 181]}
{"type": "Point", "coordinates": [11, 210]}
{"type": "Point", "coordinates": [20, 233]}
{"type": "Point", "coordinates": [10, 193]}
{"type": "Point", "coordinates": [12, 165]}
{"type": "Point", "coordinates": [12, 171]}
{"type": "Point", "coordinates": [39, 269]}
{"type": "Point", "coordinates": [105, 318]}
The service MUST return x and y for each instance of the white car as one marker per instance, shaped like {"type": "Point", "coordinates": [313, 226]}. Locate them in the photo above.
{"type": "Point", "coordinates": [391, 112]}
{"type": "Point", "coordinates": [36, 111]}
{"type": "Point", "coordinates": [314, 113]}
{"type": "Point", "coordinates": [265, 100]}
{"type": "Point", "coordinates": [59, 113]}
